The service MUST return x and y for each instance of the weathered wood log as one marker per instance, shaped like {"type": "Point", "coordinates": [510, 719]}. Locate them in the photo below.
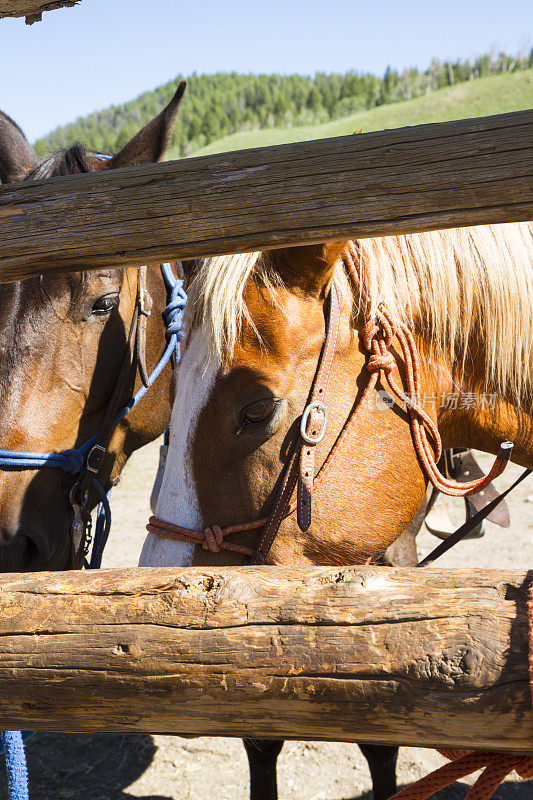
{"type": "Point", "coordinates": [31, 9]}
{"type": "Point", "coordinates": [431, 657]}
{"type": "Point", "coordinates": [398, 181]}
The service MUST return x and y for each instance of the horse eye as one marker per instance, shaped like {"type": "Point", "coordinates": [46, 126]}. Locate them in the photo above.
{"type": "Point", "coordinates": [105, 304]}
{"type": "Point", "coordinates": [259, 411]}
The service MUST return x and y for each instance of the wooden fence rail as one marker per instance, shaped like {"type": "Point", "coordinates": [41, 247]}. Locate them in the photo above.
{"type": "Point", "coordinates": [432, 657]}
{"type": "Point", "coordinates": [31, 9]}
{"type": "Point", "coordinates": [399, 181]}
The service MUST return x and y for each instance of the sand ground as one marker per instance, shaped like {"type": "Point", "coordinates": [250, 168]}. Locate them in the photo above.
{"type": "Point", "coordinates": [85, 767]}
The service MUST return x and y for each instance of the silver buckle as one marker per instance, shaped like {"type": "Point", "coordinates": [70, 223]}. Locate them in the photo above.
{"type": "Point", "coordinates": [315, 405]}
{"type": "Point", "coordinates": [95, 453]}
{"type": "Point", "coordinates": [145, 303]}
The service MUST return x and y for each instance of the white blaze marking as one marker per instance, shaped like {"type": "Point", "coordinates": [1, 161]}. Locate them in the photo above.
{"type": "Point", "coordinates": [178, 501]}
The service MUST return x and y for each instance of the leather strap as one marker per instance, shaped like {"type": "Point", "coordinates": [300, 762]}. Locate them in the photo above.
{"type": "Point", "coordinates": [470, 524]}
{"type": "Point", "coordinates": [290, 477]}
{"type": "Point", "coordinates": [144, 304]}
{"type": "Point", "coordinates": [314, 419]}
{"type": "Point", "coordinates": [301, 464]}
{"type": "Point", "coordinates": [465, 468]}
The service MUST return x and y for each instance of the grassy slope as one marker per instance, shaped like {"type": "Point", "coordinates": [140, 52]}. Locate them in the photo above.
{"type": "Point", "coordinates": [482, 97]}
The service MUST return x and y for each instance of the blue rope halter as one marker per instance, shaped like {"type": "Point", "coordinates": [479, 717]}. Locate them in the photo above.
{"type": "Point", "coordinates": [74, 462]}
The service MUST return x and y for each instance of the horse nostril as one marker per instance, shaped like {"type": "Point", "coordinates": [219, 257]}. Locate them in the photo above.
{"type": "Point", "coordinates": [17, 552]}
{"type": "Point", "coordinates": [24, 550]}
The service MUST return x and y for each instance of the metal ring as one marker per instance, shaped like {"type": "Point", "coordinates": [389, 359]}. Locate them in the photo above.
{"type": "Point", "coordinates": [77, 502]}
{"type": "Point", "coordinates": [314, 406]}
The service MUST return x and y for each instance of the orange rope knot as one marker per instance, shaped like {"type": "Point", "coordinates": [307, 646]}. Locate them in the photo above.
{"type": "Point", "coordinates": [386, 323]}
{"type": "Point", "coordinates": [380, 358]}
{"type": "Point", "coordinates": [377, 361]}
{"type": "Point", "coordinates": [382, 325]}
{"type": "Point", "coordinates": [214, 539]}
{"type": "Point", "coordinates": [368, 333]}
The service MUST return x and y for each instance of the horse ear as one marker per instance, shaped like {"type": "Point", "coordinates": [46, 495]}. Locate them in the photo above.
{"type": "Point", "coordinates": [16, 155]}
{"type": "Point", "coordinates": [309, 268]}
{"type": "Point", "coordinates": [150, 144]}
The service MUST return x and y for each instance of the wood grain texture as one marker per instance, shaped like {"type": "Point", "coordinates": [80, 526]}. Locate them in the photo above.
{"type": "Point", "coordinates": [31, 8]}
{"type": "Point", "coordinates": [432, 657]}
{"type": "Point", "coordinates": [400, 181]}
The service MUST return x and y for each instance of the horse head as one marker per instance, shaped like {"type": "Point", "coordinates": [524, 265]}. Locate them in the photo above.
{"type": "Point", "coordinates": [256, 330]}
{"type": "Point", "coordinates": [63, 339]}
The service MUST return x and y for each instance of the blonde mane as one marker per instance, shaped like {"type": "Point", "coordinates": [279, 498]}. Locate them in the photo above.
{"type": "Point", "coordinates": [462, 288]}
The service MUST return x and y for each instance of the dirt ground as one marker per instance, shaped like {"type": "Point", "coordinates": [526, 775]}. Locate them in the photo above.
{"type": "Point", "coordinates": [107, 767]}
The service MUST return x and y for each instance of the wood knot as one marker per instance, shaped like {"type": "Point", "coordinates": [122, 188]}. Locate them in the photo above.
{"type": "Point", "coordinates": [132, 650]}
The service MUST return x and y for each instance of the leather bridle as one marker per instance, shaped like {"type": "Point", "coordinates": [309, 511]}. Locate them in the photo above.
{"type": "Point", "coordinates": [299, 469]}
{"type": "Point", "coordinates": [133, 360]}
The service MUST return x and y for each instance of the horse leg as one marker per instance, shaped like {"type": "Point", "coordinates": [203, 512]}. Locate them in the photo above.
{"type": "Point", "coordinates": [382, 764]}
{"type": "Point", "coordinates": [262, 757]}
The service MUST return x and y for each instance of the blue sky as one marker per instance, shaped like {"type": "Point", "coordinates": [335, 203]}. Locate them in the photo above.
{"type": "Point", "coordinates": [85, 58]}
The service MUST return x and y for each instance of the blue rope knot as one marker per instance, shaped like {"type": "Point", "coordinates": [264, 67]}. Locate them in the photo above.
{"type": "Point", "coordinates": [174, 310]}
{"type": "Point", "coordinates": [74, 461]}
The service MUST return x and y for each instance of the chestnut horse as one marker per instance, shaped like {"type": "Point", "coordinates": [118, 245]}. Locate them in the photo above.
{"type": "Point", "coordinates": [255, 332]}
{"type": "Point", "coordinates": [62, 342]}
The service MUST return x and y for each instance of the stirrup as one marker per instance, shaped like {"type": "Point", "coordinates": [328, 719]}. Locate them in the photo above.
{"type": "Point", "coordinates": [440, 525]}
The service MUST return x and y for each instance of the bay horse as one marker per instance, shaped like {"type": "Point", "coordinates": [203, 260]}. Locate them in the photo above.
{"type": "Point", "coordinates": [63, 339]}
{"type": "Point", "coordinates": [259, 324]}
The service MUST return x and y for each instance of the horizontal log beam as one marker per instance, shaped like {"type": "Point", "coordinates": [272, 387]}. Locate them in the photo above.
{"type": "Point", "coordinates": [432, 657]}
{"type": "Point", "coordinates": [31, 9]}
{"type": "Point", "coordinates": [398, 181]}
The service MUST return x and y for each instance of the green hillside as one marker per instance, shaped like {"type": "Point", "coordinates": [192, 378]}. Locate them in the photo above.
{"type": "Point", "coordinates": [245, 110]}
{"type": "Point", "coordinates": [484, 96]}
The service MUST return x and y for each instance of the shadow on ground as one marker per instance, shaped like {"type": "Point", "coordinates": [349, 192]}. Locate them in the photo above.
{"type": "Point", "coordinates": [102, 767]}
{"type": "Point", "coordinates": [85, 767]}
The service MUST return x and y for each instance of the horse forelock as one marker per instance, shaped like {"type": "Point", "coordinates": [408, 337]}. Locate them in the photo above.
{"type": "Point", "coordinates": [461, 289]}
{"type": "Point", "coordinates": [73, 160]}
{"type": "Point", "coordinates": [217, 300]}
